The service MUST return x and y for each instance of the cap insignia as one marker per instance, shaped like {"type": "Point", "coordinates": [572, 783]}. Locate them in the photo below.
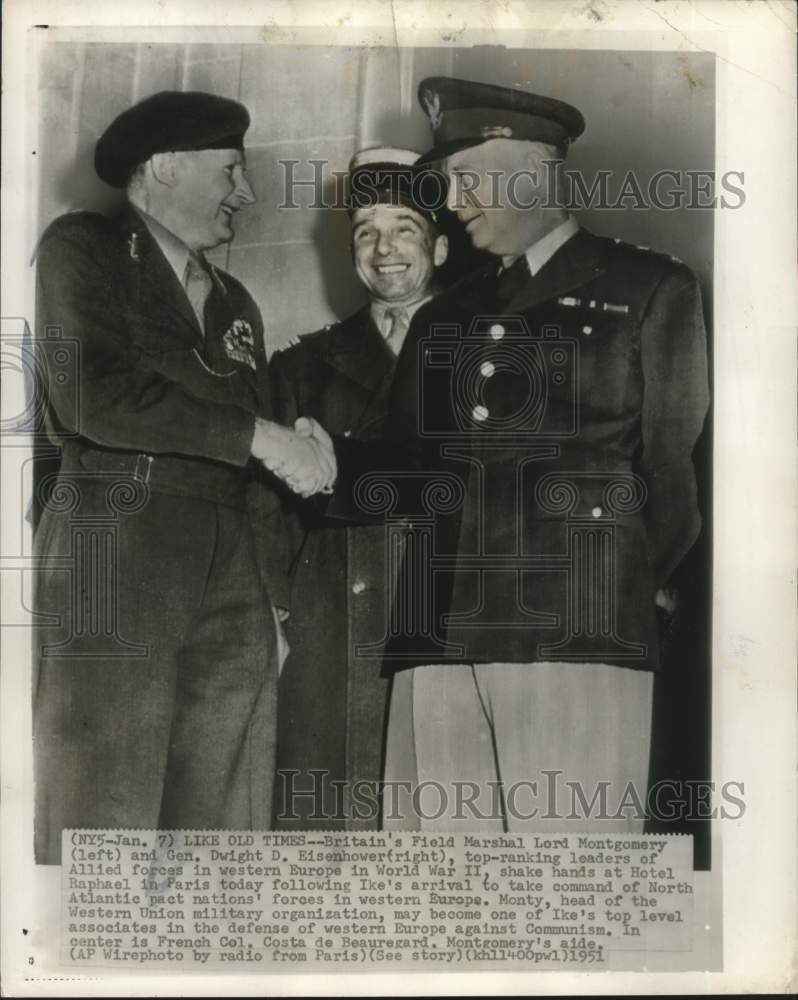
{"type": "Point", "coordinates": [432, 104]}
{"type": "Point", "coordinates": [496, 132]}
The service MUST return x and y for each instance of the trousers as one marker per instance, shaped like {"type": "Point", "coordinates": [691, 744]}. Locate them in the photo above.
{"type": "Point", "coordinates": [518, 747]}
{"type": "Point", "coordinates": [155, 695]}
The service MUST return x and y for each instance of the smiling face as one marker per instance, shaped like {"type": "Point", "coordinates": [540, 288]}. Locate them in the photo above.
{"type": "Point", "coordinates": [497, 190]}
{"type": "Point", "coordinates": [396, 251]}
{"type": "Point", "coordinates": [205, 189]}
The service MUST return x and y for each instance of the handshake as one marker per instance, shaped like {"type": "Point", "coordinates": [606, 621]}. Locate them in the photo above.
{"type": "Point", "coordinates": [304, 458]}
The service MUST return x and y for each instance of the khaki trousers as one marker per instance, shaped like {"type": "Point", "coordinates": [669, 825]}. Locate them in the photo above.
{"type": "Point", "coordinates": [518, 747]}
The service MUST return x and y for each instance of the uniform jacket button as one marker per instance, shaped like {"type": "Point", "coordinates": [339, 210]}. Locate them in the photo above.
{"type": "Point", "coordinates": [587, 330]}
{"type": "Point", "coordinates": [480, 413]}
{"type": "Point", "coordinates": [597, 512]}
{"type": "Point", "coordinates": [487, 368]}
{"type": "Point", "coordinates": [358, 587]}
{"type": "Point", "coordinates": [497, 331]}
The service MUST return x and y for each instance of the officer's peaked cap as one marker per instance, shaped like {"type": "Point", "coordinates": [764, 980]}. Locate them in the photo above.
{"type": "Point", "coordinates": [464, 113]}
{"type": "Point", "coordinates": [386, 175]}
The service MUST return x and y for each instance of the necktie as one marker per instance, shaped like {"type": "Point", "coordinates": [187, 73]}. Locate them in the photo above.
{"type": "Point", "coordinates": [397, 323]}
{"type": "Point", "coordinates": [512, 279]}
{"type": "Point", "coordinates": [197, 282]}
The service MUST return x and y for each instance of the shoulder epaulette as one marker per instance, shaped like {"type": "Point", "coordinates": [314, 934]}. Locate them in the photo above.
{"type": "Point", "coordinates": [623, 245]}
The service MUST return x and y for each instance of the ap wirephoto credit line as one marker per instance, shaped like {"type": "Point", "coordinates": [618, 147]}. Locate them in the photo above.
{"type": "Point", "coordinates": [371, 495]}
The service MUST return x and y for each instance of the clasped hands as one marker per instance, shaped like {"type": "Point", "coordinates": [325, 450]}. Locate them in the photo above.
{"type": "Point", "coordinates": [304, 458]}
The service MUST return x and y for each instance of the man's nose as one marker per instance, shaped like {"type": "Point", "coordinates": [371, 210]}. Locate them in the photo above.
{"type": "Point", "coordinates": [384, 244]}
{"type": "Point", "coordinates": [244, 191]}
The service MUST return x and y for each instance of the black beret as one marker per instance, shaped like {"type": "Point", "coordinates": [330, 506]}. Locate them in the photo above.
{"type": "Point", "coordinates": [169, 121]}
{"type": "Point", "coordinates": [463, 113]}
{"type": "Point", "coordinates": [387, 176]}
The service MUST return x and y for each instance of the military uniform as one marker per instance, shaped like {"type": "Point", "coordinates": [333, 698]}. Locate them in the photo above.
{"type": "Point", "coordinates": [332, 698]}
{"type": "Point", "coordinates": [577, 400]}
{"type": "Point", "coordinates": [161, 548]}
{"type": "Point", "coordinates": [543, 421]}
{"type": "Point", "coordinates": [559, 417]}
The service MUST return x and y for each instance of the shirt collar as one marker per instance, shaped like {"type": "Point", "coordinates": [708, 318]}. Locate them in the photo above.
{"type": "Point", "coordinates": [378, 312]}
{"type": "Point", "coordinates": [545, 248]}
{"type": "Point", "coordinates": [174, 249]}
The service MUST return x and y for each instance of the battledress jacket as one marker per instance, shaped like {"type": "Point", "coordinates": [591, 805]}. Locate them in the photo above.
{"type": "Point", "coordinates": [140, 413]}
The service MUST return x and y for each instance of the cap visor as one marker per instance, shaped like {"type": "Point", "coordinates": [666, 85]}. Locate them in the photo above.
{"type": "Point", "coordinates": [439, 153]}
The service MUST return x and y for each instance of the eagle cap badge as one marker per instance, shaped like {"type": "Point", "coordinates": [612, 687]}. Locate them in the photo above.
{"type": "Point", "coordinates": [432, 105]}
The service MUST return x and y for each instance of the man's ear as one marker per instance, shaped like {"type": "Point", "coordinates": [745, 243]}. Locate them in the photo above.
{"type": "Point", "coordinates": [164, 168]}
{"type": "Point", "coordinates": [441, 251]}
{"type": "Point", "coordinates": [544, 158]}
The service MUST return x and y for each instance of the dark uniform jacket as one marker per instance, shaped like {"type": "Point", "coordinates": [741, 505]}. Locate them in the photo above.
{"type": "Point", "coordinates": [543, 429]}
{"type": "Point", "coordinates": [332, 697]}
{"type": "Point", "coordinates": [143, 407]}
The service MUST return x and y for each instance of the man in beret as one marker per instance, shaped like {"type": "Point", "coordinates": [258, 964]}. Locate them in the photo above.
{"type": "Point", "coordinates": [332, 695]}
{"type": "Point", "coordinates": [558, 394]}
{"type": "Point", "coordinates": [162, 549]}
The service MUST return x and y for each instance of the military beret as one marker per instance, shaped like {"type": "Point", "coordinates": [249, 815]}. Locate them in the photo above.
{"type": "Point", "coordinates": [387, 176]}
{"type": "Point", "coordinates": [169, 121]}
{"type": "Point", "coordinates": [463, 113]}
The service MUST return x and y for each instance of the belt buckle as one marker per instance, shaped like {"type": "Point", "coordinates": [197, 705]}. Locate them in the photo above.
{"type": "Point", "coordinates": [142, 468]}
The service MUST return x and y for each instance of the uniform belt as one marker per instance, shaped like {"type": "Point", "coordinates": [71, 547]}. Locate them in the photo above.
{"type": "Point", "coordinates": [174, 474]}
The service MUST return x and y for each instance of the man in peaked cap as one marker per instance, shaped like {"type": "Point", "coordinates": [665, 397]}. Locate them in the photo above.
{"type": "Point", "coordinates": [559, 392]}
{"type": "Point", "coordinates": [332, 696]}
{"type": "Point", "coordinates": [162, 548]}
